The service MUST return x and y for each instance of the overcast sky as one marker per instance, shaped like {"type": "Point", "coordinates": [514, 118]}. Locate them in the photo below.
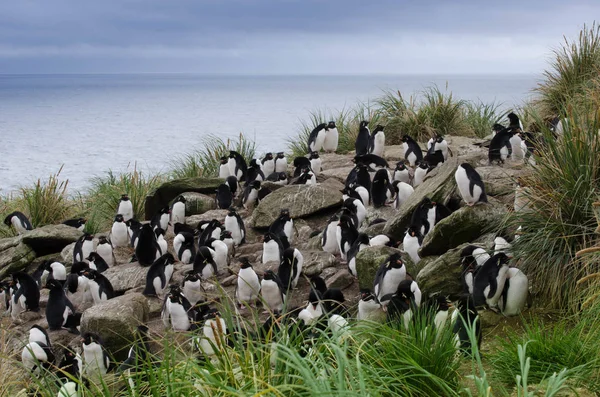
{"type": "Point", "coordinates": [285, 37]}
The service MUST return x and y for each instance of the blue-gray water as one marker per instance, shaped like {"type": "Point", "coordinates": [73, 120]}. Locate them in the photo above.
{"type": "Point", "coordinates": [92, 123]}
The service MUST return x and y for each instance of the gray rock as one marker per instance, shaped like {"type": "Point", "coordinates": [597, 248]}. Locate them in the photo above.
{"type": "Point", "coordinates": [499, 180]}
{"type": "Point", "coordinates": [332, 160]}
{"type": "Point", "coordinates": [438, 186]}
{"type": "Point", "coordinates": [67, 254]}
{"type": "Point", "coordinates": [342, 279]}
{"type": "Point", "coordinates": [50, 239]}
{"type": "Point", "coordinates": [462, 226]}
{"type": "Point", "coordinates": [333, 183]}
{"type": "Point", "coordinates": [375, 229]}
{"type": "Point", "coordinates": [198, 203]}
{"type": "Point", "coordinates": [127, 276]}
{"type": "Point", "coordinates": [301, 200]}
{"type": "Point", "coordinates": [14, 255]}
{"type": "Point", "coordinates": [166, 192]}
{"type": "Point", "coordinates": [316, 261]}
{"type": "Point", "coordinates": [369, 259]}
{"type": "Point", "coordinates": [115, 321]}
{"type": "Point", "coordinates": [441, 274]}
{"type": "Point", "coordinates": [340, 174]}
{"type": "Point", "coordinates": [194, 220]}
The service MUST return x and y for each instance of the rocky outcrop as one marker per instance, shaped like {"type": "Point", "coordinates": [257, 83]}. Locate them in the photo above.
{"type": "Point", "coordinates": [198, 203]}
{"type": "Point", "coordinates": [316, 261]}
{"type": "Point", "coordinates": [301, 200]}
{"type": "Point", "coordinates": [67, 254]}
{"type": "Point", "coordinates": [369, 259]}
{"type": "Point", "coordinates": [439, 186]}
{"type": "Point", "coordinates": [126, 277]}
{"type": "Point", "coordinates": [50, 239]}
{"type": "Point", "coordinates": [441, 274]}
{"type": "Point", "coordinates": [166, 192]}
{"type": "Point", "coordinates": [499, 181]}
{"type": "Point", "coordinates": [462, 226]}
{"type": "Point", "coordinates": [115, 321]}
{"type": "Point", "coordinates": [14, 255]}
{"type": "Point", "coordinates": [194, 220]}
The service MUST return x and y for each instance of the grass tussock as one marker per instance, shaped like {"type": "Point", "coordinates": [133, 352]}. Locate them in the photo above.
{"type": "Point", "coordinates": [205, 160]}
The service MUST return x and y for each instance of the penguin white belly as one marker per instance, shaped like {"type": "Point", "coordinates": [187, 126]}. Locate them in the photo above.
{"type": "Point", "coordinates": [94, 290]}
{"type": "Point", "coordinates": [268, 167]}
{"type": "Point", "coordinates": [248, 286]}
{"type": "Point", "coordinates": [186, 257]}
{"type": "Point", "coordinates": [517, 292]}
{"type": "Point", "coordinates": [443, 146]}
{"type": "Point", "coordinates": [402, 176]}
{"type": "Point", "coordinates": [209, 341]}
{"type": "Point", "coordinates": [270, 252]}
{"type": "Point", "coordinates": [480, 256]}
{"type": "Point", "coordinates": [517, 150]}
{"type": "Point", "coordinates": [501, 245]}
{"type": "Point", "coordinates": [379, 240]}
{"type": "Point", "coordinates": [58, 271]}
{"type": "Point", "coordinates": [251, 199]}
{"type": "Point", "coordinates": [87, 248]}
{"type": "Point", "coordinates": [281, 165]}
{"type": "Point", "coordinates": [406, 317]}
{"type": "Point", "coordinates": [306, 316]}
{"type": "Point", "coordinates": [69, 389]}
{"type": "Point", "coordinates": [17, 307]}
{"type": "Point", "coordinates": [178, 213]}
{"type": "Point", "coordinates": [118, 235]}
{"type": "Point", "coordinates": [33, 355]}
{"type": "Point", "coordinates": [193, 291]}
{"type": "Point", "coordinates": [419, 176]}
{"type": "Point", "coordinates": [232, 165]}
{"type": "Point", "coordinates": [315, 312]}
{"type": "Point", "coordinates": [179, 317]}
{"type": "Point", "coordinates": [379, 144]}
{"type": "Point", "coordinates": [440, 320]}
{"type": "Point", "coordinates": [343, 249]}
{"type": "Point", "coordinates": [411, 246]}
{"type": "Point", "coordinates": [404, 192]}
{"type": "Point", "coordinates": [178, 242]}
{"type": "Point", "coordinates": [352, 266]}
{"type": "Point", "coordinates": [369, 310]}
{"type": "Point", "coordinates": [221, 254]}
{"type": "Point", "coordinates": [390, 282]}
{"type": "Point", "coordinates": [105, 251]}
{"type": "Point", "coordinates": [331, 244]}
{"type": "Point", "coordinates": [363, 193]}
{"type": "Point", "coordinates": [463, 183]}
{"type": "Point", "coordinates": [492, 301]}
{"type": "Point", "coordinates": [315, 165]}
{"type": "Point", "coordinates": [299, 262]}
{"type": "Point", "coordinates": [361, 212]}
{"type": "Point", "coordinates": [224, 171]}
{"type": "Point", "coordinates": [412, 159]}
{"type": "Point", "coordinates": [125, 209]}
{"type": "Point", "coordinates": [16, 222]}
{"type": "Point", "coordinates": [503, 153]}
{"type": "Point", "coordinates": [162, 243]}
{"type": "Point", "coordinates": [232, 226]}
{"type": "Point", "coordinates": [318, 145]}
{"type": "Point", "coordinates": [288, 230]}
{"type": "Point", "coordinates": [93, 359]}
{"type": "Point", "coordinates": [272, 295]}
{"type": "Point", "coordinates": [431, 219]}
{"type": "Point", "coordinates": [330, 143]}
{"type": "Point", "coordinates": [405, 149]}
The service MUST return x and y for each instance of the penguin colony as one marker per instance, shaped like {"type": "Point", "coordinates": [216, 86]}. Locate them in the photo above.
{"type": "Point", "coordinates": [489, 279]}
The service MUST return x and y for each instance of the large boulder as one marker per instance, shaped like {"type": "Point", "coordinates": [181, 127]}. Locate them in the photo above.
{"type": "Point", "coordinates": [340, 174]}
{"type": "Point", "coordinates": [194, 220]}
{"type": "Point", "coordinates": [115, 321]}
{"type": "Point", "coordinates": [50, 239]}
{"type": "Point", "coordinates": [499, 181]}
{"type": "Point", "coordinates": [369, 259]}
{"type": "Point", "coordinates": [67, 254]}
{"type": "Point", "coordinates": [14, 255]}
{"type": "Point", "coordinates": [462, 226]}
{"type": "Point", "coordinates": [301, 200]}
{"type": "Point", "coordinates": [441, 274]}
{"type": "Point", "coordinates": [126, 277]}
{"type": "Point", "coordinates": [166, 192]}
{"type": "Point", "coordinates": [316, 261]}
{"type": "Point", "coordinates": [198, 203]}
{"type": "Point", "coordinates": [439, 185]}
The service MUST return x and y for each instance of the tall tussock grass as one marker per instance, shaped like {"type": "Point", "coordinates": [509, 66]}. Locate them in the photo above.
{"type": "Point", "coordinates": [204, 161]}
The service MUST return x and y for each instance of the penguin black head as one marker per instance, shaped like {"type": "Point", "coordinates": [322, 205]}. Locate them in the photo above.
{"type": "Point", "coordinates": [119, 218]}
{"type": "Point", "coordinates": [281, 176]}
{"type": "Point", "coordinates": [92, 256]}
{"type": "Point", "coordinates": [395, 261]}
{"type": "Point", "coordinates": [439, 138]}
{"type": "Point", "coordinates": [497, 127]}
{"type": "Point", "coordinates": [102, 240]}
{"type": "Point", "coordinates": [245, 263]}
{"type": "Point", "coordinates": [53, 284]}
{"type": "Point", "coordinates": [406, 138]}
{"type": "Point", "coordinates": [211, 314]}
{"type": "Point", "coordinates": [467, 260]}
{"type": "Point", "coordinates": [378, 128]}
{"type": "Point", "coordinates": [180, 199]}
{"type": "Point", "coordinates": [232, 211]}
{"type": "Point", "coordinates": [254, 163]}
{"type": "Point", "coordinates": [124, 197]}
{"type": "Point", "coordinates": [269, 275]}
{"type": "Point", "coordinates": [513, 118]}
{"type": "Point", "coordinates": [423, 165]}
{"type": "Point", "coordinates": [91, 337]}
{"type": "Point", "coordinates": [69, 357]}
{"type": "Point", "coordinates": [363, 238]}
{"type": "Point", "coordinates": [269, 156]}
{"type": "Point", "coordinates": [413, 231]}
{"type": "Point", "coordinates": [317, 283]}
{"type": "Point", "coordinates": [404, 290]}
{"type": "Point", "coordinates": [280, 155]}
{"type": "Point", "coordinates": [167, 258]}
{"type": "Point", "coordinates": [345, 220]}
{"type": "Point", "coordinates": [224, 160]}
{"type": "Point", "coordinates": [225, 234]}
{"type": "Point", "coordinates": [90, 273]}
{"type": "Point", "coordinates": [284, 214]}
{"type": "Point", "coordinates": [313, 155]}
{"type": "Point", "coordinates": [331, 124]}
{"type": "Point", "coordinates": [364, 123]}
{"type": "Point", "coordinates": [366, 295]}
{"type": "Point", "coordinates": [191, 276]}
{"type": "Point", "coordinates": [88, 237]}
{"type": "Point", "coordinates": [79, 267]}
{"type": "Point", "coordinates": [255, 185]}
{"type": "Point", "coordinates": [159, 232]}
{"type": "Point", "coordinates": [314, 298]}
{"type": "Point", "coordinates": [501, 259]}
{"type": "Point", "coordinates": [133, 224]}
{"type": "Point", "coordinates": [400, 166]}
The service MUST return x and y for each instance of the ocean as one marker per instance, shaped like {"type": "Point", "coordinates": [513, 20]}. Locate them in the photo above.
{"type": "Point", "coordinates": [89, 124]}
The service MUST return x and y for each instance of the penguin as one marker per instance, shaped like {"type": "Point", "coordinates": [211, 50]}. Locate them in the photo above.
{"type": "Point", "coordinates": [161, 218]}
{"type": "Point", "coordinates": [248, 284]}
{"type": "Point", "coordinates": [159, 275]}
{"type": "Point", "coordinates": [250, 194]}
{"type": "Point", "coordinates": [178, 210]}
{"type": "Point", "coordinates": [420, 172]}
{"type": "Point", "coordinates": [438, 143]}
{"type": "Point", "coordinates": [224, 167]}
{"type": "Point", "coordinates": [234, 186]}
{"type": "Point", "coordinates": [299, 164]}
{"type": "Point", "coordinates": [280, 162]}
{"type": "Point", "coordinates": [404, 303]}
{"type": "Point", "coordinates": [356, 206]}
{"type": "Point", "coordinates": [18, 221]}
{"type": "Point", "coordinates": [473, 253]}
{"type": "Point", "coordinates": [316, 138]}
{"type": "Point", "coordinates": [361, 242]}
{"type": "Point", "coordinates": [268, 164]}
{"type": "Point", "coordinates": [125, 207]}
{"type": "Point", "coordinates": [76, 285]}
{"type": "Point", "coordinates": [514, 121]}
{"type": "Point", "coordinates": [118, 232]}
{"type": "Point", "coordinates": [184, 247]}
{"type": "Point", "coordinates": [83, 247]}
{"type": "Point", "coordinates": [26, 295]}
{"type": "Point", "coordinates": [214, 332]}
{"type": "Point", "coordinates": [36, 356]}
{"type": "Point", "coordinates": [330, 144]}
{"type": "Point", "coordinates": [368, 307]}
{"type": "Point", "coordinates": [412, 242]}
{"type": "Point", "coordinates": [470, 185]}
{"type": "Point", "coordinates": [272, 248]}
{"type": "Point", "coordinates": [100, 287]}
{"type": "Point", "coordinates": [235, 224]}
{"type": "Point", "coordinates": [434, 159]}
{"type": "Point", "coordinates": [60, 312]}
{"type": "Point", "coordinates": [372, 161]}
{"type": "Point", "coordinates": [137, 358]}
{"type": "Point", "coordinates": [377, 141]}
{"type": "Point", "coordinates": [147, 249]}
{"type": "Point", "coordinates": [315, 162]}
{"type": "Point", "coordinates": [55, 271]}
{"type": "Point", "coordinates": [278, 178]}
{"type": "Point", "coordinates": [496, 128]}
{"type": "Point", "coordinates": [515, 292]}
{"type": "Point", "coordinates": [221, 255]}
{"type": "Point", "coordinates": [4, 297]}
{"type": "Point", "coordinates": [294, 258]}
{"type": "Point", "coordinates": [227, 238]}
{"type": "Point", "coordinates": [346, 234]}
{"type": "Point", "coordinates": [210, 229]}
{"type": "Point", "coordinates": [401, 173]}
{"type": "Point", "coordinates": [501, 245]}
{"type": "Point", "coordinates": [224, 198]}
{"type": "Point", "coordinates": [272, 292]}
{"type": "Point", "coordinates": [105, 250]}
{"type": "Point", "coordinates": [403, 192]}
{"type": "Point", "coordinates": [237, 165]}
{"type": "Point", "coordinates": [412, 151]}
{"type": "Point", "coordinates": [355, 191]}
{"type": "Point", "coordinates": [466, 318]}
{"type": "Point", "coordinates": [314, 308]}
{"type": "Point", "coordinates": [488, 283]}
{"type": "Point", "coordinates": [362, 139]}
{"type": "Point", "coordinates": [133, 231]}
{"type": "Point", "coordinates": [69, 371]}
{"type": "Point", "coordinates": [204, 264]}
{"type": "Point", "coordinates": [435, 213]}
{"type": "Point", "coordinates": [192, 288]}
{"type": "Point", "coordinates": [438, 308]}
{"type": "Point", "coordinates": [388, 276]}
{"type": "Point", "coordinates": [77, 223]}
{"type": "Point", "coordinates": [380, 188]}
{"type": "Point", "coordinates": [175, 312]}
{"type": "Point", "coordinates": [329, 236]}
{"type": "Point", "coordinates": [160, 240]}
{"type": "Point", "coordinates": [383, 239]}
{"type": "Point", "coordinates": [307, 177]}
{"type": "Point", "coordinates": [518, 147]}
{"type": "Point", "coordinates": [500, 147]}
{"type": "Point", "coordinates": [96, 362]}
{"type": "Point", "coordinates": [283, 227]}
{"type": "Point", "coordinates": [96, 262]}
{"type": "Point", "coordinates": [254, 173]}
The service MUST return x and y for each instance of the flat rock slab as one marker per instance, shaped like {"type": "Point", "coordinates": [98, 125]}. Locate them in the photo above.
{"type": "Point", "coordinates": [301, 200]}
{"type": "Point", "coordinates": [127, 276]}
{"type": "Point", "coordinates": [14, 255]}
{"type": "Point", "coordinates": [115, 321]}
{"type": "Point", "coordinates": [166, 192]}
{"type": "Point", "coordinates": [50, 239]}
